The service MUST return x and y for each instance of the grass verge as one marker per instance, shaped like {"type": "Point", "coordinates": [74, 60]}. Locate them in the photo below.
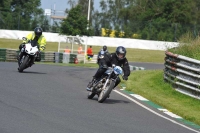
{"type": "Point", "coordinates": [188, 46]}
{"type": "Point", "coordinates": [133, 55]}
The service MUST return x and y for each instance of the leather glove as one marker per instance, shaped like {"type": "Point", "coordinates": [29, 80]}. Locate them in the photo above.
{"type": "Point", "coordinates": [41, 48]}
{"type": "Point", "coordinates": [24, 42]}
{"type": "Point", "coordinates": [125, 78]}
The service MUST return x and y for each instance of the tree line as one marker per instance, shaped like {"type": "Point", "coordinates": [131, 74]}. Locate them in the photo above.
{"type": "Point", "coordinates": [164, 20]}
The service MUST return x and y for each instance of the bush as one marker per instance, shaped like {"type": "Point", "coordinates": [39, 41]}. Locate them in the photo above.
{"type": "Point", "coordinates": [188, 46]}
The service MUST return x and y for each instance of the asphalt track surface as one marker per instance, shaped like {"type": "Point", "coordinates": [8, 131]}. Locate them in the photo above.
{"type": "Point", "coordinates": [53, 99]}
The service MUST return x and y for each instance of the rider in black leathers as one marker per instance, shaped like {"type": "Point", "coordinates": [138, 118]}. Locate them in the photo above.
{"type": "Point", "coordinates": [119, 59]}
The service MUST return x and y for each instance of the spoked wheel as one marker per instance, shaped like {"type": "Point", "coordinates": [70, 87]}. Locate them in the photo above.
{"type": "Point", "coordinates": [105, 93]}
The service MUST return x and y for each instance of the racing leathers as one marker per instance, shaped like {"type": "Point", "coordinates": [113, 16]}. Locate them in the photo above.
{"type": "Point", "coordinates": [101, 55]}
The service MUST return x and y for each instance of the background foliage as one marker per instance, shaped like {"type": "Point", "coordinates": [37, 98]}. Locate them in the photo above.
{"type": "Point", "coordinates": [164, 20]}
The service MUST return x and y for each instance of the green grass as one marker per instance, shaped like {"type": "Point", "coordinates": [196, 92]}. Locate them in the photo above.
{"type": "Point", "coordinates": [188, 46]}
{"type": "Point", "coordinates": [150, 84]}
{"type": "Point", "coordinates": [9, 43]}
{"type": "Point", "coordinates": [133, 55]}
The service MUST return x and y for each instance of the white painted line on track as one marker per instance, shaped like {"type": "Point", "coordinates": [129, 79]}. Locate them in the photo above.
{"type": "Point", "coordinates": [139, 97]}
{"type": "Point", "coordinates": [143, 106]}
{"type": "Point", "coordinates": [170, 113]}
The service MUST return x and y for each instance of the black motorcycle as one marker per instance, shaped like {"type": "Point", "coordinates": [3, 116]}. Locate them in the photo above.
{"type": "Point", "coordinates": [105, 84]}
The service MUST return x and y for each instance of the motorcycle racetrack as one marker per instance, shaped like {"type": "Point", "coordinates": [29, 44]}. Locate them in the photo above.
{"type": "Point", "coordinates": [53, 99]}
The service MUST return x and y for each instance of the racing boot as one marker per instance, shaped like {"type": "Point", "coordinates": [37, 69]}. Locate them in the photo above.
{"type": "Point", "coordinates": [90, 85]}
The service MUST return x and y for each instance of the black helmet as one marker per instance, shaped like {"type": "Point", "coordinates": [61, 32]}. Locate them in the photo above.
{"type": "Point", "coordinates": [104, 48]}
{"type": "Point", "coordinates": [38, 31]}
{"type": "Point", "coordinates": [121, 50]}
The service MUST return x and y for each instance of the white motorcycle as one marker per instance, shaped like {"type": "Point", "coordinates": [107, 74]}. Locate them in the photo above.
{"type": "Point", "coordinates": [29, 52]}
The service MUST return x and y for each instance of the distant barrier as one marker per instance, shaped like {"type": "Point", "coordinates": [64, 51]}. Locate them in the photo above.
{"type": "Point", "coordinates": [56, 57]}
{"type": "Point", "coordinates": [10, 55]}
{"type": "Point", "coordinates": [183, 73]}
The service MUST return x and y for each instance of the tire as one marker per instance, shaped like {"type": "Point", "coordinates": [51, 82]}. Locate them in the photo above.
{"type": "Point", "coordinates": [91, 95]}
{"type": "Point", "coordinates": [23, 64]}
{"type": "Point", "coordinates": [18, 63]}
{"type": "Point", "coordinates": [105, 93]}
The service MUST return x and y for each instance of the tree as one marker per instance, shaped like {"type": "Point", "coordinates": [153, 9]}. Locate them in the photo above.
{"type": "Point", "coordinates": [55, 28]}
{"type": "Point", "coordinates": [72, 3]}
{"type": "Point", "coordinates": [37, 20]}
{"type": "Point", "coordinates": [41, 21]}
{"type": "Point", "coordinates": [5, 14]}
{"type": "Point", "coordinates": [45, 25]}
{"type": "Point", "coordinates": [156, 20]}
{"type": "Point", "coordinates": [84, 4]}
{"type": "Point", "coordinates": [96, 23]}
{"type": "Point", "coordinates": [19, 14]}
{"type": "Point", "coordinates": [105, 21]}
{"type": "Point", "coordinates": [75, 23]}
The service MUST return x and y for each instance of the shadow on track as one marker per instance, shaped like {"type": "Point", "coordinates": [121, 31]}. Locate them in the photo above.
{"type": "Point", "coordinates": [32, 72]}
{"type": "Point", "coordinates": [110, 101]}
{"type": "Point", "coordinates": [114, 101]}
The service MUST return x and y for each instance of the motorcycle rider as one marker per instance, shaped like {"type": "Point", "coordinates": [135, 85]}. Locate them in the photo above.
{"type": "Point", "coordinates": [119, 59]}
{"type": "Point", "coordinates": [101, 53]}
{"type": "Point", "coordinates": [37, 39]}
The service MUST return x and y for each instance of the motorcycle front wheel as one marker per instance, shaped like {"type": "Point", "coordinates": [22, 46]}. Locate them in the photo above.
{"type": "Point", "coordinates": [105, 93]}
{"type": "Point", "coordinates": [23, 65]}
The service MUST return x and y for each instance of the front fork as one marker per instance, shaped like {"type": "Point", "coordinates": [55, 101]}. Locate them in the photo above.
{"type": "Point", "coordinates": [104, 87]}
{"type": "Point", "coordinates": [107, 80]}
